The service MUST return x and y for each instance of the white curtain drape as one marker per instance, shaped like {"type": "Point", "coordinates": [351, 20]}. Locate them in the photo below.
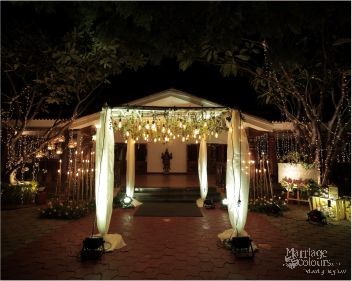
{"type": "Point", "coordinates": [130, 167]}
{"type": "Point", "coordinates": [104, 171]}
{"type": "Point", "coordinates": [202, 169]}
{"type": "Point", "coordinates": [237, 176]}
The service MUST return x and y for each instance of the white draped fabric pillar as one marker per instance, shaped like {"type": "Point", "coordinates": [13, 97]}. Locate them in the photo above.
{"type": "Point", "coordinates": [237, 176]}
{"type": "Point", "coordinates": [104, 171]}
{"type": "Point", "coordinates": [130, 167]}
{"type": "Point", "coordinates": [202, 169]}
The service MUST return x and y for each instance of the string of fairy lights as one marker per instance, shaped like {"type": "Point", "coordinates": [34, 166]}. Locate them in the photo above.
{"type": "Point", "coordinates": [344, 153]}
{"type": "Point", "coordinates": [79, 172]}
{"type": "Point", "coordinates": [285, 143]}
{"type": "Point", "coordinates": [337, 147]}
{"type": "Point", "coordinates": [25, 145]}
{"type": "Point", "coordinates": [75, 172]}
{"type": "Point", "coordinates": [261, 146]}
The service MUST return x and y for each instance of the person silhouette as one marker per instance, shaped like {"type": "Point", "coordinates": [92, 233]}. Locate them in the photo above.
{"type": "Point", "coordinates": [166, 157]}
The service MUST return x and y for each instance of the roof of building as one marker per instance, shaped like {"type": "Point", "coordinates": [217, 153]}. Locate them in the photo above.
{"type": "Point", "coordinates": [171, 98]}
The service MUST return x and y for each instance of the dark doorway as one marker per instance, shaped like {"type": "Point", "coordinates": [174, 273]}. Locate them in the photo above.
{"type": "Point", "coordinates": [120, 160]}
{"type": "Point", "coordinates": [216, 159]}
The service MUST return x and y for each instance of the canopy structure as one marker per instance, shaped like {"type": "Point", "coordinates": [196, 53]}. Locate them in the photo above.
{"type": "Point", "coordinates": [165, 125]}
{"type": "Point", "coordinates": [196, 124]}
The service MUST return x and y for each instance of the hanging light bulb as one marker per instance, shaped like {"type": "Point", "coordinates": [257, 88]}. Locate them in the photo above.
{"type": "Point", "coordinates": [147, 126]}
{"type": "Point", "coordinates": [61, 139]}
{"type": "Point", "coordinates": [153, 126]}
{"type": "Point", "coordinates": [127, 134]}
{"type": "Point", "coordinates": [39, 154]}
{"type": "Point", "coordinates": [72, 144]}
{"type": "Point", "coordinates": [216, 134]}
{"type": "Point", "coordinates": [163, 129]}
{"type": "Point", "coordinates": [120, 124]}
{"type": "Point", "coordinates": [59, 150]}
{"type": "Point", "coordinates": [51, 146]}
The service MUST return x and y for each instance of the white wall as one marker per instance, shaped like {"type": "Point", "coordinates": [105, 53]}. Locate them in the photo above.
{"type": "Point", "coordinates": [178, 163]}
{"type": "Point", "coordinates": [296, 171]}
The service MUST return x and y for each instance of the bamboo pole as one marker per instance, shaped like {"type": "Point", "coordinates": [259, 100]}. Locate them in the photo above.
{"type": "Point", "coordinates": [269, 174]}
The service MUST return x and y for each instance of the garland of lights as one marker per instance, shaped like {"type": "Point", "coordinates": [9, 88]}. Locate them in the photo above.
{"type": "Point", "coordinates": [261, 145]}
{"type": "Point", "coordinates": [344, 155]}
{"type": "Point", "coordinates": [167, 125]}
{"type": "Point", "coordinates": [285, 143]}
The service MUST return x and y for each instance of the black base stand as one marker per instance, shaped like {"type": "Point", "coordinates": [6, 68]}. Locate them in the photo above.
{"type": "Point", "coordinates": [242, 247]}
{"type": "Point", "coordinates": [93, 248]}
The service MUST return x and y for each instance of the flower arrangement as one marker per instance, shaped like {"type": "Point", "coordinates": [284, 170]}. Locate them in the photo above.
{"type": "Point", "coordinates": [291, 184]}
{"type": "Point", "coordinates": [58, 209]}
{"type": "Point", "coordinates": [307, 185]}
{"type": "Point", "coordinates": [263, 204]}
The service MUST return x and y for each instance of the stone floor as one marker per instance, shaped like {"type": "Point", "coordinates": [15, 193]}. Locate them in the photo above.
{"type": "Point", "coordinates": [183, 248]}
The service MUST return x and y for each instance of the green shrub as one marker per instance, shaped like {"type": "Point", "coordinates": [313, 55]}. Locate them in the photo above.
{"type": "Point", "coordinates": [262, 205]}
{"type": "Point", "coordinates": [59, 209]}
{"type": "Point", "coordinates": [19, 194]}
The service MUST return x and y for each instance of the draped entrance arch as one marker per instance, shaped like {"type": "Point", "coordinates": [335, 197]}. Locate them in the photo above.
{"type": "Point", "coordinates": [164, 124]}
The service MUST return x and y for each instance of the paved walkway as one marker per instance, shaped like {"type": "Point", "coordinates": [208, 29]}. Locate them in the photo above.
{"type": "Point", "coordinates": [173, 248]}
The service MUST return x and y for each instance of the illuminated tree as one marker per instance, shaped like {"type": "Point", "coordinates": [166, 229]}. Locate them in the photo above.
{"type": "Point", "coordinates": [53, 82]}
{"type": "Point", "coordinates": [316, 100]}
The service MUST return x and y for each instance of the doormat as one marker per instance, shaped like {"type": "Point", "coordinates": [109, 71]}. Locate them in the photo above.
{"type": "Point", "coordinates": [168, 210]}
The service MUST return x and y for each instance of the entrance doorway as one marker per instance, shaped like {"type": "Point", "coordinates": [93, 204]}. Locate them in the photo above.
{"type": "Point", "coordinates": [216, 161]}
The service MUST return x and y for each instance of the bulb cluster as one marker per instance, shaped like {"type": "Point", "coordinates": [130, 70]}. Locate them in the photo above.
{"type": "Point", "coordinates": [169, 127]}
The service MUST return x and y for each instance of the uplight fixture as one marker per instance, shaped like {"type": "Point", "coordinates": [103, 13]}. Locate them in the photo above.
{"type": "Point", "coordinates": [126, 202]}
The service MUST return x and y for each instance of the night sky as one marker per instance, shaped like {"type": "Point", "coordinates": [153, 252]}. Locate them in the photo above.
{"type": "Point", "coordinates": [199, 80]}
